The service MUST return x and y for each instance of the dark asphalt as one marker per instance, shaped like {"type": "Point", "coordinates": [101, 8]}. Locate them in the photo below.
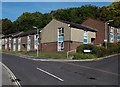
{"type": "Point", "coordinates": [102, 72]}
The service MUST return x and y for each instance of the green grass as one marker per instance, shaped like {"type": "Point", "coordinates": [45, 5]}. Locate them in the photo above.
{"type": "Point", "coordinates": [50, 55]}
{"type": "Point", "coordinates": [13, 51]}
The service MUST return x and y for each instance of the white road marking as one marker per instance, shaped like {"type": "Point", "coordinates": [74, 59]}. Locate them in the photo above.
{"type": "Point", "coordinates": [50, 74]}
{"type": "Point", "coordinates": [16, 83]}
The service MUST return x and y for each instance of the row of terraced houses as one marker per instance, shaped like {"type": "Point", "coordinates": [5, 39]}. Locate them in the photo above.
{"type": "Point", "coordinates": [60, 37]}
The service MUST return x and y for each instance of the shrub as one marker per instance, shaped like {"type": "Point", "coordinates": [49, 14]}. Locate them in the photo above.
{"type": "Point", "coordinates": [98, 51]}
{"type": "Point", "coordinates": [113, 47]}
{"type": "Point", "coordinates": [83, 56]}
{"type": "Point", "coordinates": [81, 48]}
{"type": "Point", "coordinates": [102, 51]}
{"type": "Point", "coordinates": [118, 47]}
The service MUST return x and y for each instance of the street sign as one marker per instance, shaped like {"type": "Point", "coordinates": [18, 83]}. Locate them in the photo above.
{"type": "Point", "coordinates": [105, 40]}
{"type": "Point", "coordinates": [87, 51]}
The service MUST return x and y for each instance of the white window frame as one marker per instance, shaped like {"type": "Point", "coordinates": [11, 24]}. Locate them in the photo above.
{"type": "Point", "coordinates": [85, 36]}
{"type": "Point", "coordinates": [0, 44]}
{"type": "Point", "coordinates": [36, 44]}
{"type": "Point", "coordinates": [19, 45]}
{"type": "Point", "coordinates": [60, 34]}
{"type": "Point", "coordinates": [6, 43]}
{"type": "Point", "coordinates": [14, 46]}
{"type": "Point", "coordinates": [28, 45]}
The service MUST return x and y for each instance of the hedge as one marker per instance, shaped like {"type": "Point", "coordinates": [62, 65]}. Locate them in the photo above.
{"type": "Point", "coordinates": [100, 51]}
{"type": "Point", "coordinates": [83, 56]}
{"type": "Point", "coordinates": [113, 47]}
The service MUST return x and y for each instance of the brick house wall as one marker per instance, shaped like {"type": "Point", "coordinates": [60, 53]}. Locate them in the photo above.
{"type": "Point", "coordinates": [23, 43]}
{"type": "Point", "coordinates": [32, 43]}
{"type": "Point", "coordinates": [52, 47]}
{"type": "Point", "coordinates": [100, 26]}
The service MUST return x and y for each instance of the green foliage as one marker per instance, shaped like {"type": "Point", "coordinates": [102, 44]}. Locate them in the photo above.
{"type": "Point", "coordinates": [113, 47]}
{"type": "Point", "coordinates": [98, 51]}
{"type": "Point", "coordinates": [83, 56]}
{"type": "Point", "coordinates": [75, 15]}
{"type": "Point", "coordinates": [7, 26]}
{"type": "Point", "coordinates": [27, 20]}
{"type": "Point", "coordinates": [111, 12]}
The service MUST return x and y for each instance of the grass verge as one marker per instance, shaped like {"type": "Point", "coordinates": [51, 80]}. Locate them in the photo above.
{"type": "Point", "coordinates": [50, 55]}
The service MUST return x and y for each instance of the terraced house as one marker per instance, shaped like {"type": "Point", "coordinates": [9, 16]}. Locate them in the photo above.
{"type": "Point", "coordinates": [61, 36]}
{"type": "Point", "coordinates": [26, 41]}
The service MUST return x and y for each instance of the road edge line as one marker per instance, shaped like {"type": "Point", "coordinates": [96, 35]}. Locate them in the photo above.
{"type": "Point", "coordinates": [11, 75]}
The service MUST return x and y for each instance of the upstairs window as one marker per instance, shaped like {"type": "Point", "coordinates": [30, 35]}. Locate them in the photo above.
{"type": "Point", "coordinates": [60, 39]}
{"type": "Point", "coordinates": [61, 32]}
{"type": "Point", "coordinates": [85, 37]}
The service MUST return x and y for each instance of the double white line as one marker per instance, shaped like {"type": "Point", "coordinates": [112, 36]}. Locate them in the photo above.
{"type": "Point", "coordinates": [11, 75]}
{"type": "Point", "coordinates": [50, 74]}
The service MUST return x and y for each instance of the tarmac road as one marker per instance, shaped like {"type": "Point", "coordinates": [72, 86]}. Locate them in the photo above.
{"type": "Point", "coordinates": [30, 72]}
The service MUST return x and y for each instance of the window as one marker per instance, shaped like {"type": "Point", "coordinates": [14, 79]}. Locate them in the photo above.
{"type": "Point", "coordinates": [61, 31]}
{"type": "Point", "coordinates": [28, 37]}
{"type": "Point", "coordinates": [85, 38]}
{"type": "Point", "coordinates": [60, 46]}
{"type": "Point", "coordinates": [111, 37]}
{"type": "Point", "coordinates": [36, 41]}
{"type": "Point", "coordinates": [28, 41]}
{"type": "Point", "coordinates": [92, 40]}
{"type": "Point", "coordinates": [60, 39]}
{"type": "Point", "coordinates": [118, 37]}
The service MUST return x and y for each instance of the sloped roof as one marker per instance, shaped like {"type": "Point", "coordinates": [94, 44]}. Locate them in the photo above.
{"type": "Point", "coordinates": [79, 26]}
{"type": "Point", "coordinates": [28, 33]}
{"type": "Point", "coordinates": [94, 23]}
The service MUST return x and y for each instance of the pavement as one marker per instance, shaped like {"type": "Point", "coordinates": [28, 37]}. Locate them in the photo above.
{"type": "Point", "coordinates": [56, 60]}
{"type": "Point", "coordinates": [6, 77]}
{"type": "Point", "coordinates": [30, 72]}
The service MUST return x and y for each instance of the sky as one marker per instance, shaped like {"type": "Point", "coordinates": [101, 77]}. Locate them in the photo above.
{"type": "Point", "coordinates": [57, 0]}
{"type": "Point", "coordinates": [12, 10]}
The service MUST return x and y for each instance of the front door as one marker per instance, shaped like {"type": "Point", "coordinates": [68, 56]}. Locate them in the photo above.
{"type": "Point", "coordinates": [14, 44]}
{"type": "Point", "coordinates": [28, 43]}
{"type": "Point", "coordinates": [19, 44]}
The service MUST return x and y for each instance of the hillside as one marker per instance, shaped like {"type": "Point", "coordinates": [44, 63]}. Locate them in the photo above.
{"type": "Point", "coordinates": [75, 15]}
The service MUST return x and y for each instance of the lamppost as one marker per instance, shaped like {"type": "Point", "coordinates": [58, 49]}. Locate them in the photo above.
{"type": "Point", "coordinates": [37, 38]}
{"type": "Point", "coordinates": [105, 40]}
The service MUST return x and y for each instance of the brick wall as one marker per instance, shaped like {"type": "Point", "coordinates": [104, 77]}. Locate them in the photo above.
{"type": "Point", "coordinates": [24, 43]}
{"type": "Point", "coordinates": [52, 47]}
{"type": "Point", "coordinates": [100, 26]}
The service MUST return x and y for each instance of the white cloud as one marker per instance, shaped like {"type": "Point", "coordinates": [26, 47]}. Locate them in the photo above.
{"type": "Point", "coordinates": [58, 0]}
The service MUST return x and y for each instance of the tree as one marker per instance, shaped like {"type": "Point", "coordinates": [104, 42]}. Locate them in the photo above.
{"type": "Point", "coordinates": [7, 26]}
{"type": "Point", "coordinates": [27, 20]}
{"type": "Point", "coordinates": [111, 12]}
{"type": "Point", "coordinates": [76, 15]}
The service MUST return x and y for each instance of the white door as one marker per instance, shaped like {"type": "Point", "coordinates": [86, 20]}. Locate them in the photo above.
{"type": "Point", "coordinates": [28, 43]}
{"type": "Point", "coordinates": [14, 44]}
{"type": "Point", "coordinates": [5, 43]}
{"type": "Point", "coordinates": [35, 42]}
{"type": "Point", "coordinates": [10, 43]}
{"type": "Point", "coordinates": [19, 44]}
{"type": "Point", "coordinates": [28, 47]}
{"type": "Point", "coordinates": [0, 44]}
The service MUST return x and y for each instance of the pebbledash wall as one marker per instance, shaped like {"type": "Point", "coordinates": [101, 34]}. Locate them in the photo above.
{"type": "Point", "coordinates": [60, 37]}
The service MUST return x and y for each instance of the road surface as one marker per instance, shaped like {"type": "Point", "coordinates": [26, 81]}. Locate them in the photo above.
{"type": "Point", "coordinates": [30, 72]}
